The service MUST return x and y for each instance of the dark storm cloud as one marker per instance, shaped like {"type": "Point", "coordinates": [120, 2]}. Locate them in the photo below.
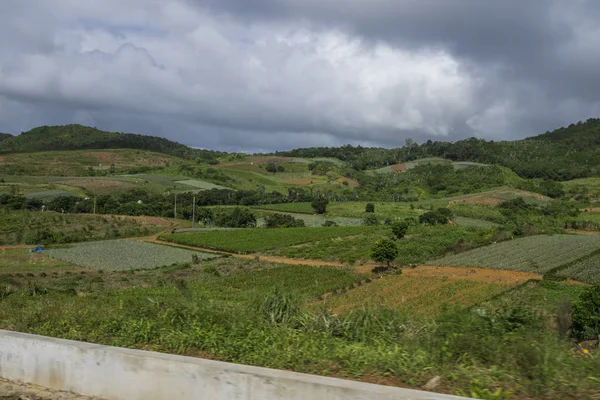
{"type": "Point", "coordinates": [274, 74]}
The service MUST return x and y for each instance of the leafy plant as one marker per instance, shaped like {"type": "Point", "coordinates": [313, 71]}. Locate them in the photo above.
{"type": "Point", "coordinates": [384, 250]}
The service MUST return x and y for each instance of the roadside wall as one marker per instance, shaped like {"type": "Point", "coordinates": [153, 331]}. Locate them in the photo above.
{"type": "Point", "coordinates": [123, 374]}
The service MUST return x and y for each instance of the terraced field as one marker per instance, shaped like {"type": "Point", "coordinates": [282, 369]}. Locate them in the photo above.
{"type": "Point", "coordinates": [538, 254]}
{"type": "Point", "coordinates": [116, 255]}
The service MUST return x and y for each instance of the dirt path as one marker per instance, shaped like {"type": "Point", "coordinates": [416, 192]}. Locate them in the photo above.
{"type": "Point", "coordinates": [21, 391]}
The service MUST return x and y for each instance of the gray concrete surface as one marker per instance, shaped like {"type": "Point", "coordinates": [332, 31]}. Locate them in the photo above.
{"type": "Point", "coordinates": [123, 374]}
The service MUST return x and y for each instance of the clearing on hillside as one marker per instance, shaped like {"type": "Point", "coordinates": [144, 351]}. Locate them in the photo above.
{"type": "Point", "coordinates": [500, 195]}
{"type": "Point", "coordinates": [117, 255]}
{"type": "Point", "coordinates": [538, 254]}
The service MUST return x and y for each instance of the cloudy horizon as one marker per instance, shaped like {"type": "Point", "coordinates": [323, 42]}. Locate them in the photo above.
{"type": "Point", "coordinates": [269, 75]}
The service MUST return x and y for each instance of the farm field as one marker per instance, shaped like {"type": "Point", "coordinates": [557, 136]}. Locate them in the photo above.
{"type": "Point", "coordinates": [538, 254]}
{"type": "Point", "coordinates": [349, 209]}
{"type": "Point", "coordinates": [203, 185]}
{"type": "Point", "coordinates": [586, 270]}
{"type": "Point", "coordinates": [313, 220]}
{"type": "Point", "coordinates": [477, 223]}
{"type": "Point", "coordinates": [421, 244]}
{"type": "Point", "coordinates": [416, 295]}
{"type": "Point", "coordinates": [429, 160]}
{"type": "Point", "coordinates": [31, 227]}
{"type": "Point", "coordinates": [260, 239]}
{"type": "Point", "coordinates": [497, 196]}
{"type": "Point", "coordinates": [124, 255]}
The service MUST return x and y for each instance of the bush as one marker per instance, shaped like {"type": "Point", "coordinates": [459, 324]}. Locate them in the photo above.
{"type": "Point", "coordinates": [586, 314]}
{"type": "Point", "coordinates": [283, 221]}
{"type": "Point", "coordinates": [271, 168]}
{"type": "Point", "coordinates": [320, 205]}
{"type": "Point", "coordinates": [399, 229]}
{"type": "Point", "coordinates": [370, 208]}
{"type": "Point", "coordinates": [434, 218]}
{"type": "Point", "coordinates": [384, 250]}
{"type": "Point", "coordinates": [280, 308]}
{"type": "Point", "coordinates": [329, 223]}
{"type": "Point", "coordinates": [370, 220]}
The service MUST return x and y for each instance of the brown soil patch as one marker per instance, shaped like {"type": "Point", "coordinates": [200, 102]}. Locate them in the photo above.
{"type": "Point", "coordinates": [351, 182]}
{"type": "Point", "coordinates": [485, 200]}
{"type": "Point", "coordinates": [399, 167]}
{"type": "Point", "coordinates": [299, 181]}
{"type": "Point", "coordinates": [591, 209]}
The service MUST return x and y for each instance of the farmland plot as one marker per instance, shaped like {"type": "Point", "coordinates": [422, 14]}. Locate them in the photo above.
{"type": "Point", "coordinates": [422, 295]}
{"type": "Point", "coordinates": [537, 254]}
{"type": "Point", "coordinates": [117, 255]}
{"type": "Point", "coordinates": [260, 239]}
{"type": "Point", "coordinates": [586, 270]}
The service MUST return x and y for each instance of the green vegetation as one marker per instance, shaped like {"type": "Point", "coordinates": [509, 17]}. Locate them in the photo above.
{"type": "Point", "coordinates": [586, 315]}
{"type": "Point", "coordinates": [20, 260]}
{"type": "Point", "coordinates": [538, 254]}
{"type": "Point", "coordinates": [125, 255]}
{"type": "Point", "coordinates": [256, 240]}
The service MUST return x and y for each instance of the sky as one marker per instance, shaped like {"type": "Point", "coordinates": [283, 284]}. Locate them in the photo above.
{"type": "Point", "coordinates": [263, 75]}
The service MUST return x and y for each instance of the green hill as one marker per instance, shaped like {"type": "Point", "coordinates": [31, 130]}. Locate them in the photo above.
{"type": "Point", "coordinates": [566, 153]}
{"type": "Point", "coordinates": [79, 137]}
{"type": "Point", "coordinates": [4, 136]}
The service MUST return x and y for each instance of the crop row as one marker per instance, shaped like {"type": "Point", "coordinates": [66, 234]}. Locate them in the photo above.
{"type": "Point", "coordinates": [537, 254]}
{"type": "Point", "coordinates": [124, 255]}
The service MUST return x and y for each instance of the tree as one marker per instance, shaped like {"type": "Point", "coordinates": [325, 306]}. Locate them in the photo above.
{"type": "Point", "coordinates": [283, 221]}
{"type": "Point", "coordinates": [586, 314]}
{"type": "Point", "coordinates": [280, 168]}
{"type": "Point", "coordinates": [399, 229]}
{"type": "Point", "coordinates": [384, 250]}
{"type": "Point", "coordinates": [271, 168]}
{"type": "Point", "coordinates": [433, 218]}
{"type": "Point", "coordinates": [320, 205]}
{"type": "Point", "coordinates": [370, 208]}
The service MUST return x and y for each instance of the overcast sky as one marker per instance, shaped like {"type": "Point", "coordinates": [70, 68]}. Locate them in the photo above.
{"type": "Point", "coordinates": [277, 74]}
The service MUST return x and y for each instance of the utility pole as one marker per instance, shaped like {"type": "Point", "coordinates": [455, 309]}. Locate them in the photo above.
{"type": "Point", "coordinates": [175, 212]}
{"type": "Point", "coordinates": [193, 212]}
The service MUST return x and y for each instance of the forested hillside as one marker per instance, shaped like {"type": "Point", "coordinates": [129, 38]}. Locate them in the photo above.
{"type": "Point", "coordinates": [566, 153]}
{"type": "Point", "coordinates": [4, 136]}
{"type": "Point", "coordinates": [78, 137]}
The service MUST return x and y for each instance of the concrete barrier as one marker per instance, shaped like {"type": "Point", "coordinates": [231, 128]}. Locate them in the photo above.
{"type": "Point", "coordinates": [123, 374]}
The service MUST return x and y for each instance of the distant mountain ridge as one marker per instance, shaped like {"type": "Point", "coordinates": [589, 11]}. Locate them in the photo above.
{"type": "Point", "coordinates": [79, 137]}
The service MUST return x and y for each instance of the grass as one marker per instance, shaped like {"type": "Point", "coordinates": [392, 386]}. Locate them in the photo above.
{"type": "Point", "coordinates": [349, 209]}
{"type": "Point", "coordinates": [260, 239]}
{"type": "Point", "coordinates": [311, 220]}
{"type": "Point", "coordinates": [24, 227]}
{"type": "Point", "coordinates": [125, 255]}
{"type": "Point", "coordinates": [421, 244]}
{"type": "Point", "coordinates": [538, 254]}
{"type": "Point", "coordinates": [416, 295]}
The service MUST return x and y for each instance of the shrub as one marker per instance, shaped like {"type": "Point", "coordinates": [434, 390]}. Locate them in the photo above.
{"type": "Point", "coordinates": [586, 314]}
{"type": "Point", "coordinates": [370, 208]}
{"type": "Point", "coordinates": [370, 220]}
{"type": "Point", "coordinates": [329, 223]}
{"type": "Point", "coordinates": [280, 308]}
{"type": "Point", "coordinates": [384, 250]}
{"type": "Point", "coordinates": [399, 229]}
{"type": "Point", "coordinates": [433, 218]}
